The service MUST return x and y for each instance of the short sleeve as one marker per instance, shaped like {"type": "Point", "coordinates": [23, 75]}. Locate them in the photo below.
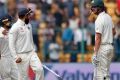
{"type": "Point", "coordinates": [98, 27]}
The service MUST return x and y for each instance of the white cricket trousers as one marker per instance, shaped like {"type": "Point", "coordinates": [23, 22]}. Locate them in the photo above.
{"type": "Point", "coordinates": [8, 69]}
{"type": "Point", "coordinates": [30, 60]}
{"type": "Point", "coordinates": [105, 55]}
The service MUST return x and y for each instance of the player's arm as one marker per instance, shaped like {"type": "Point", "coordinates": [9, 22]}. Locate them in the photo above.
{"type": "Point", "coordinates": [97, 42]}
{"type": "Point", "coordinates": [113, 31]}
{"type": "Point", "coordinates": [12, 40]}
{"type": "Point", "coordinates": [1, 35]}
{"type": "Point", "coordinates": [0, 47]}
{"type": "Point", "coordinates": [31, 36]}
{"type": "Point", "coordinates": [98, 35]}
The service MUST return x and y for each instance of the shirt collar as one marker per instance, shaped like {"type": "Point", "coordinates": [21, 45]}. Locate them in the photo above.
{"type": "Point", "coordinates": [101, 13]}
{"type": "Point", "coordinates": [21, 22]}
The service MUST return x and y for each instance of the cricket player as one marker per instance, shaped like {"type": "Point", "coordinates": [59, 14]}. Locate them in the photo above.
{"type": "Point", "coordinates": [22, 46]}
{"type": "Point", "coordinates": [8, 67]}
{"type": "Point", "coordinates": [104, 32]}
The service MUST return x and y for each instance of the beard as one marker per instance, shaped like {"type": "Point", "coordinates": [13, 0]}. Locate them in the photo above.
{"type": "Point", "coordinates": [26, 21]}
{"type": "Point", "coordinates": [9, 26]}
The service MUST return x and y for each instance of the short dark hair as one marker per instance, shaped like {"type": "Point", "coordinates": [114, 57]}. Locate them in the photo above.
{"type": "Point", "coordinates": [21, 16]}
{"type": "Point", "coordinates": [103, 9]}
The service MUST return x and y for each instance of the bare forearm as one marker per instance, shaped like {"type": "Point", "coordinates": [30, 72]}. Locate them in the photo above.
{"type": "Point", "coordinates": [97, 45]}
{"type": "Point", "coordinates": [114, 31]}
{"type": "Point", "coordinates": [97, 42]}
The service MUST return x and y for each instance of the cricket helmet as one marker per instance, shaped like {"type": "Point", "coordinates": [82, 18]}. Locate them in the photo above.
{"type": "Point", "coordinates": [97, 3]}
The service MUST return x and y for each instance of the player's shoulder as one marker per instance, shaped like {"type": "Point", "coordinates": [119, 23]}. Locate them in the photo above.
{"type": "Point", "coordinates": [102, 17]}
{"type": "Point", "coordinates": [30, 25]}
{"type": "Point", "coordinates": [15, 26]}
{"type": "Point", "coordinates": [109, 17]}
{"type": "Point", "coordinates": [99, 20]}
{"type": "Point", "coordinates": [1, 30]}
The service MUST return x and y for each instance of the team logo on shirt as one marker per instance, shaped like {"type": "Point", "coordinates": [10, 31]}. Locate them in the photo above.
{"type": "Point", "coordinates": [21, 29]}
{"type": "Point", "coordinates": [28, 27]}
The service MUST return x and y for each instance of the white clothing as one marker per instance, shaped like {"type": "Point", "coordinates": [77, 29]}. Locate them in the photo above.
{"type": "Point", "coordinates": [20, 38]}
{"type": "Point", "coordinates": [105, 55]}
{"type": "Point", "coordinates": [30, 60]}
{"type": "Point", "coordinates": [77, 36]}
{"type": "Point", "coordinates": [21, 45]}
{"type": "Point", "coordinates": [54, 50]}
{"type": "Point", "coordinates": [74, 23]}
{"type": "Point", "coordinates": [8, 67]}
{"type": "Point", "coordinates": [104, 26]}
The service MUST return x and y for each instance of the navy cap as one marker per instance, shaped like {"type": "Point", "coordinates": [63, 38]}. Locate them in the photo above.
{"type": "Point", "coordinates": [24, 11]}
{"type": "Point", "coordinates": [4, 18]}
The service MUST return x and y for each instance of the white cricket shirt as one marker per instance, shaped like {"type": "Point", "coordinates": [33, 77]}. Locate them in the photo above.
{"type": "Point", "coordinates": [104, 26]}
{"type": "Point", "coordinates": [20, 38]}
{"type": "Point", "coordinates": [4, 45]}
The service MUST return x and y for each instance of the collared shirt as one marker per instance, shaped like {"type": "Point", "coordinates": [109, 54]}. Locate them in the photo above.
{"type": "Point", "coordinates": [104, 26]}
{"type": "Point", "coordinates": [4, 49]}
{"type": "Point", "coordinates": [20, 38]}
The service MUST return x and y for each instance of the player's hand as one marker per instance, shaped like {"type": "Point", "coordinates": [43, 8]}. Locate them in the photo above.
{"type": "Point", "coordinates": [95, 60]}
{"type": "Point", "coordinates": [18, 60]}
{"type": "Point", "coordinates": [5, 32]}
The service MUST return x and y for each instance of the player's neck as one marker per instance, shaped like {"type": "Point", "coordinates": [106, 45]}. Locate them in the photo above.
{"type": "Point", "coordinates": [22, 19]}
{"type": "Point", "coordinates": [100, 11]}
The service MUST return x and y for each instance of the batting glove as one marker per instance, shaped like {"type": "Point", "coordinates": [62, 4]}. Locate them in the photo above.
{"type": "Point", "coordinates": [95, 60]}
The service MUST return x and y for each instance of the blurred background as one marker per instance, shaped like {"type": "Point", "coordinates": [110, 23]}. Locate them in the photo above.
{"type": "Point", "coordinates": [63, 32]}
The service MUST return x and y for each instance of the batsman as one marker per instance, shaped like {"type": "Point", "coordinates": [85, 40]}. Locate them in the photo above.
{"type": "Point", "coordinates": [104, 32]}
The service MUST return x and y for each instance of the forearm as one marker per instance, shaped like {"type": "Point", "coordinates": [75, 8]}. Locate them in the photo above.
{"type": "Point", "coordinates": [12, 46]}
{"type": "Point", "coordinates": [113, 31]}
{"type": "Point", "coordinates": [0, 54]}
{"type": "Point", "coordinates": [97, 43]}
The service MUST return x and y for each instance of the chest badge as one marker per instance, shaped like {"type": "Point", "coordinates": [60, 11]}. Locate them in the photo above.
{"type": "Point", "coordinates": [21, 30]}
